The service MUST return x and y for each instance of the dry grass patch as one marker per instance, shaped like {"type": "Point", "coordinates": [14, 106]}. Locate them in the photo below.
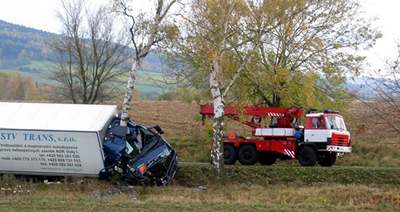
{"type": "Point", "coordinates": [325, 197]}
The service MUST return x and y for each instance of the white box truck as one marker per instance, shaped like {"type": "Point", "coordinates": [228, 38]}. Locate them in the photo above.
{"type": "Point", "coordinates": [53, 139]}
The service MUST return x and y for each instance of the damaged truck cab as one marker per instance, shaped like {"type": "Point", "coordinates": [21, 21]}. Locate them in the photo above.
{"type": "Point", "coordinates": [138, 154]}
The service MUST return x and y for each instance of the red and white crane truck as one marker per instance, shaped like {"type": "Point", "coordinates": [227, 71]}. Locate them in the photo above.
{"type": "Point", "coordinates": [277, 133]}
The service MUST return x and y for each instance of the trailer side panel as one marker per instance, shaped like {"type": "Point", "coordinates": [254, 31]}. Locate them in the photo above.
{"type": "Point", "coordinates": [50, 152]}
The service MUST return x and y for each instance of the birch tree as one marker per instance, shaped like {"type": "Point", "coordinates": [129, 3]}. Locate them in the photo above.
{"type": "Point", "coordinates": [209, 49]}
{"type": "Point", "coordinates": [146, 31]}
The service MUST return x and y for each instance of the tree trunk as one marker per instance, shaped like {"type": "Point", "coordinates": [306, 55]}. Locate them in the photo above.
{"type": "Point", "coordinates": [276, 100]}
{"type": "Point", "coordinates": [129, 91]}
{"type": "Point", "coordinates": [217, 158]}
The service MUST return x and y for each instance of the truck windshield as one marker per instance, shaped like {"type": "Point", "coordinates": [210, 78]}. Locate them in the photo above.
{"type": "Point", "coordinates": [336, 122]}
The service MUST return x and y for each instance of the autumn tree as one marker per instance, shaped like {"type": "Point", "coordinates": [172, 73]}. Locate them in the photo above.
{"type": "Point", "coordinates": [384, 98]}
{"type": "Point", "coordinates": [303, 49]}
{"type": "Point", "coordinates": [14, 86]}
{"type": "Point", "coordinates": [299, 53]}
{"type": "Point", "coordinates": [212, 52]}
{"type": "Point", "coordinates": [91, 54]}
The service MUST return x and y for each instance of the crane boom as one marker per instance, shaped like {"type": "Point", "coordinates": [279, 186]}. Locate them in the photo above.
{"type": "Point", "coordinates": [285, 115]}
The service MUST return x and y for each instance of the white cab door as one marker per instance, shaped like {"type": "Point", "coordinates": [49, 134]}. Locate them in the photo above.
{"type": "Point", "coordinates": [316, 135]}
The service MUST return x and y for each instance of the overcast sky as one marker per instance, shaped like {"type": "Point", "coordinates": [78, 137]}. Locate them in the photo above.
{"type": "Point", "coordinates": [41, 14]}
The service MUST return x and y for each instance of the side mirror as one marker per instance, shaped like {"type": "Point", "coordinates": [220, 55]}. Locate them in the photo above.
{"type": "Point", "coordinates": [158, 129]}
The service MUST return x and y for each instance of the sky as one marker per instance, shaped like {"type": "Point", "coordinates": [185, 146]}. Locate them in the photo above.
{"type": "Point", "coordinates": [387, 12]}
{"type": "Point", "coordinates": [41, 14]}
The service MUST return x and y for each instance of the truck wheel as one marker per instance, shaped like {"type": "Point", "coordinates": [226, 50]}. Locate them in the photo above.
{"type": "Point", "coordinates": [266, 158]}
{"type": "Point", "coordinates": [307, 156]}
{"type": "Point", "coordinates": [327, 159]}
{"type": "Point", "coordinates": [247, 155]}
{"type": "Point", "coordinates": [230, 154]}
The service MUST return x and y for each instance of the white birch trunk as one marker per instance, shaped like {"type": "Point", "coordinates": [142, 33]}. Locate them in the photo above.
{"type": "Point", "coordinates": [217, 158]}
{"type": "Point", "coordinates": [129, 91]}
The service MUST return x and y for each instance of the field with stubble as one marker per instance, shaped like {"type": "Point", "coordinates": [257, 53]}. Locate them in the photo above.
{"type": "Point", "coordinates": [372, 145]}
{"type": "Point", "coordinates": [93, 195]}
{"type": "Point", "coordinates": [367, 180]}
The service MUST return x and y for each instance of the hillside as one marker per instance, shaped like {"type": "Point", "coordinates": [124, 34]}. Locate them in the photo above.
{"type": "Point", "coordinates": [20, 45]}
{"type": "Point", "coordinates": [26, 50]}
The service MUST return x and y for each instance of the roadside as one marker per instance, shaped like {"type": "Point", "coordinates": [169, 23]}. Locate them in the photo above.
{"type": "Point", "coordinates": [100, 196]}
{"type": "Point", "coordinates": [246, 188]}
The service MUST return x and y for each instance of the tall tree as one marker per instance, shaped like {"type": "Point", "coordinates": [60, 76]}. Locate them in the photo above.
{"type": "Point", "coordinates": [211, 47]}
{"type": "Point", "coordinates": [146, 32]}
{"type": "Point", "coordinates": [299, 53]}
{"type": "Point", "coordinates": [14, 86]}
{"type": "Point", "coordinates": [297, 42]}
{"type": "Point", "coordinates": [384, 100]}
{"type": "Point", "coordinates": [91, 53]}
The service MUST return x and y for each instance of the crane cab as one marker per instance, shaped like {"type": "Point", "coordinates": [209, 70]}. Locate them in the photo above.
{"type": "Point", "coordinates": [327, 131]}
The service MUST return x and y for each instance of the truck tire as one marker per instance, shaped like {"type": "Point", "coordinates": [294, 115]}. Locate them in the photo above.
{"type": "Point", "coordinates": [266, 158]}
{"type": "Point", "coordinates": [327, 159]}
{"type": "Point", "coordinates": [307, 156]}
{"type": "Point", "coordinates": [247, 155]}
{"type": "Point", "coordinates": [230, 154]}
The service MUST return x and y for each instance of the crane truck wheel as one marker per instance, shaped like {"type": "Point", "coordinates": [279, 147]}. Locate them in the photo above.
{"type": "Point", "coordinates": [247, 155]}
{"type": "Point", "coordinates": [307, 156]}
{"type": "Point", "coordinates": [266, 158]}
{"type": "Point", "coordinates": [230, 154]}
{"type": "Point", "coordinates": [327, 159]}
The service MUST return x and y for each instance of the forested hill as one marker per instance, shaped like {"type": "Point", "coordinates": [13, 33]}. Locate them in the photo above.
{"type": "Point", "coordinates": [27, 50]}
{"type": "Point", "coordinates": [20, 45]}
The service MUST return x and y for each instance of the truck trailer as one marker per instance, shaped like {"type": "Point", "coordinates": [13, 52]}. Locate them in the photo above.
{"type": "Point", "coordinates": [281, 136]}
{"type": "Point", "coordinates": [80, 140]}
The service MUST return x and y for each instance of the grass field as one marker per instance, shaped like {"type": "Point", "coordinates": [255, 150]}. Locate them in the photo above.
{"type": "Point", "coordinates": [192, 174]}
{"type": "Point", "coordinates": [368, 179]}
{"type": "Point", "coordinates": [183, 127]}
{"type": "Point", "coordinates": [93, 195]}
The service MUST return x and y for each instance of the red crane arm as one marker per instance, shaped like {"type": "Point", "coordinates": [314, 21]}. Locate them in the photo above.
{"type": "Point", "coordinates": [208, 111]}
{"type": "Point", "coordinates": [233, 112]}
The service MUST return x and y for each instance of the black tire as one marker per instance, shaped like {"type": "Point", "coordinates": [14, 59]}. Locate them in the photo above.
{"type": "Point", "coordinates": [230, 154]}
{"type": "Point", "coordinates": [307, 156]}
{"type": "Point", "coordinates": [247, 155]}
{"type": "Point", "coordinates": [327, 159]}
{"type": "Point", "coordinates": [266, 158]}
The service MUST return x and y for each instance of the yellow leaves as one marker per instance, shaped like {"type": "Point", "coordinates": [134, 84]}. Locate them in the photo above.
{"type": "Point", "coordinates": [308, 89]}
{"type": "Point", "coordinates": [315, 43]}
{"type": "Point", "coordinates": [14, 86]}
{"type": "Point", "coordinates": [171, 32]}
{"type": "Point", "coordinates": [282, 75]}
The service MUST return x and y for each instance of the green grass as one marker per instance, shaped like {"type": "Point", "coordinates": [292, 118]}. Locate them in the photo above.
{"type": "Point", "coordinates": [93, 195]}
{"type": "Point", "coordinates": [195, 174]}
{"type": "Point", "coordinates": [40, 66]}
{"type": "Point", "coordinates": [246, 188]}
